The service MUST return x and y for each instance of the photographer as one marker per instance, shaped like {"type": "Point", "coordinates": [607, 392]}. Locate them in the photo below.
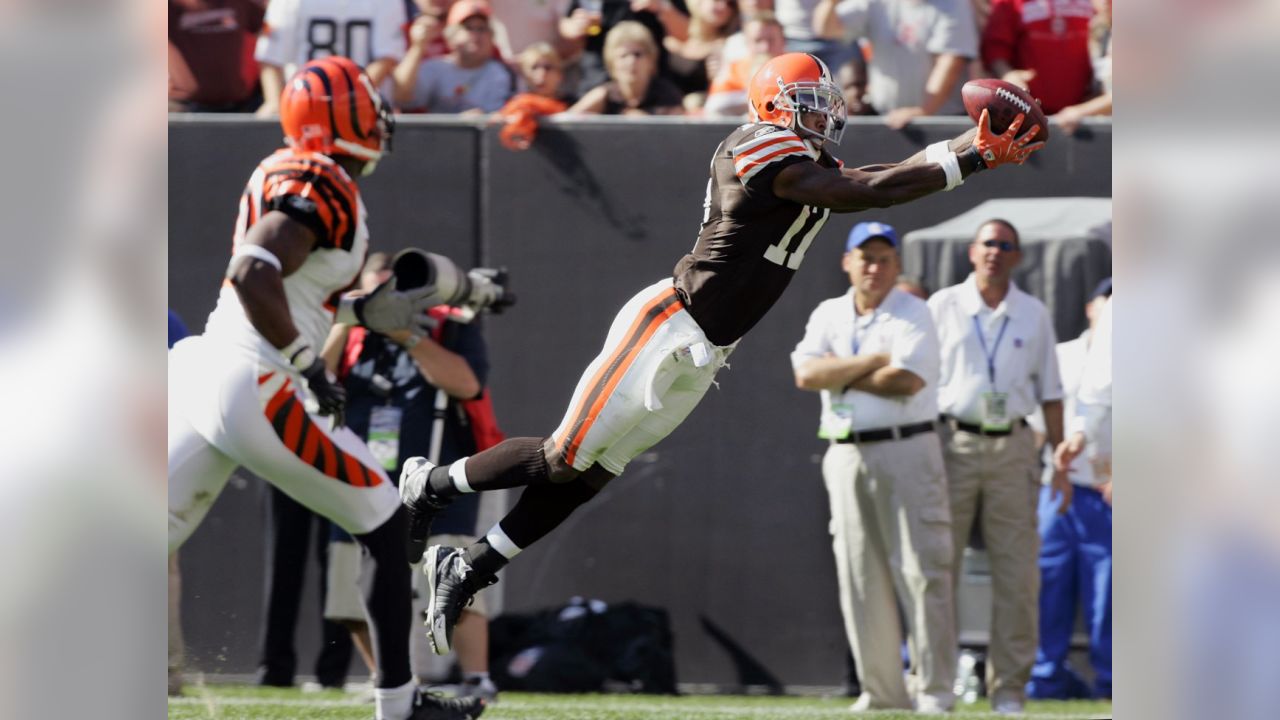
{"type": "Point", "coordinates": [411, 395]}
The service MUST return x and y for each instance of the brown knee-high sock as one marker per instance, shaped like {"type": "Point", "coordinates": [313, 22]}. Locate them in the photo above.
{"type": "Point", "coordinates": [514, 462]}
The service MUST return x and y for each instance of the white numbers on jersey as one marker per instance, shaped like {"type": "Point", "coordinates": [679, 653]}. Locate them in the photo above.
{"type": "Point", "coordinates": [807, 224]}
{"type": "Point", "coordinates": [354, 41]}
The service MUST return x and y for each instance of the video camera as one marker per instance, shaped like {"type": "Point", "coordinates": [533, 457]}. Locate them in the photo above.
{"type": "Point", "coordinates": [470, 292]}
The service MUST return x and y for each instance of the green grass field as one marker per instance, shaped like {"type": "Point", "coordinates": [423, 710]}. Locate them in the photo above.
{"type": "Point", "coordinates": [239, 702]}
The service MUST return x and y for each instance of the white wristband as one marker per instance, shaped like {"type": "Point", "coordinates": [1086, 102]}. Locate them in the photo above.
{"type": "Point", "coordinates": [299, 353]}
{"type": "Point", "coordinates": [254, 251]}
{"type": "Point", "coordinates": [941, 153]}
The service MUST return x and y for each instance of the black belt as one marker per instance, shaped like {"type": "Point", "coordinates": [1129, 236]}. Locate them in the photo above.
{"type": "Point", "coordinates": [977, 429]}
{"type": "Point", "coordinates": [901, 432]}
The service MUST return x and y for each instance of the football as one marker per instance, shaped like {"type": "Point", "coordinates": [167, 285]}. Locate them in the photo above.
{"type": "Point", "coordinates": [1003, 100]}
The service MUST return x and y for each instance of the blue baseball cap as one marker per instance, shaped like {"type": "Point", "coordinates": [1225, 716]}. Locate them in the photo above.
{"type": "Point", "coordinates": [865, 231]}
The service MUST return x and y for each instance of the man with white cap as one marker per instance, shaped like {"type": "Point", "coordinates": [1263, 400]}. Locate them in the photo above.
{"type": "Point", "coordinates": [873, 354]}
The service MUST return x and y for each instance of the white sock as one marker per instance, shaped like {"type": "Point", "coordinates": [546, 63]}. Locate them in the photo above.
{"type": "Point", "coordinates": [458, 474]}
{"type": "Point", "coordinates": [394, 703]}
{"type": "Point", "coordinates": [499, 541]}
{"type": "Point", "coordinates": [480, 676]}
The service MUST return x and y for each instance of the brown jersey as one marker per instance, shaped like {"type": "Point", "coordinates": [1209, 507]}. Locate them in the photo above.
{"type": "Point", "coordinates": [751, 241]}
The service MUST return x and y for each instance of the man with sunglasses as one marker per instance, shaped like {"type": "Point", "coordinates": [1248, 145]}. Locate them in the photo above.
{"type": "Point", "coordinates": [998, 364]}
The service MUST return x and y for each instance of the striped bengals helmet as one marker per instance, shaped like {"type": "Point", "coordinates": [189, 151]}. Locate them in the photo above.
{"type": "Point", "coordinates": [795, 83]}
{"type": "Point", "coordinates": [330, 106]}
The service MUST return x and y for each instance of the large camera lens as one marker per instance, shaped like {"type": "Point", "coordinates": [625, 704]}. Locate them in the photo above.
{"type": "Point", "coordinates": [412, 269]}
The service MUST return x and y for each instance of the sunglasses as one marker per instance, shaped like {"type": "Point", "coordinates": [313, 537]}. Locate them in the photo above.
{"type": "Point", "coordinates": [1004, 245]}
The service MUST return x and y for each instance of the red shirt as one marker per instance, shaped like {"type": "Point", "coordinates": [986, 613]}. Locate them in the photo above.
{"type": "Point", "coordinates": [207, 50]}
{"type": "Point", "coordinates": [1048, 36]}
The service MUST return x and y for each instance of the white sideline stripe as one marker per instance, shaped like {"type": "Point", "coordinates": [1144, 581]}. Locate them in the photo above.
{"type": "Point", "coordinates": [838, 709]}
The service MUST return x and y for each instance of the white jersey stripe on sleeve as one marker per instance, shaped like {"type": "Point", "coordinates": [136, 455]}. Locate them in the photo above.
{"type": "Point", "coordinates": [748, 171]}
{"type": "Point", "coordinates": [756, 143]}
{"type": "Point", "coordinates": [744, 160]}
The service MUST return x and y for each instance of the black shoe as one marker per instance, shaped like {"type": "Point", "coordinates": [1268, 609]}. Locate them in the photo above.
{"type": "Point", "coordinates": [421, 504]}
{"type": "Point", "coordinates": [432, 706]}
{"type": "Point", "coordinates": [451, 585]}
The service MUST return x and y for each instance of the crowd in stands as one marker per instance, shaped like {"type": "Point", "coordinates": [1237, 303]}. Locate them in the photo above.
{"type": "Point", "coordinates": [898, 59]}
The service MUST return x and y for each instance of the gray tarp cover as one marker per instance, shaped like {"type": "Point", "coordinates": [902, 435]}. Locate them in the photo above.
{"type": "Point", "coordinates": [1066, 251]}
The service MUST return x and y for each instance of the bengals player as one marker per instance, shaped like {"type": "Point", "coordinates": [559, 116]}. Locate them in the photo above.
{"type": "Point", "coordinates": [251, 391]}
{"type": "Point", "coordinates": [772, 186]}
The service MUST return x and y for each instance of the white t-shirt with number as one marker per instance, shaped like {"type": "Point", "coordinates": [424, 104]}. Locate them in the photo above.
{"type": "Point", "coordinates": [298, 31]}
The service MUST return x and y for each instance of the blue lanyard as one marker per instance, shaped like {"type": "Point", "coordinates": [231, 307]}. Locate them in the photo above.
{"type": "Point", "coordinates": [857, 345]}
{"type": "Point", "coordinates": [991, 354]}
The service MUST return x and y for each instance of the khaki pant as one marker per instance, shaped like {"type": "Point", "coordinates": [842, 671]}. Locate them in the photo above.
{"type": "Point", "coordinates": [1000, 476]}
{"type": "Point", "coordinates": [891, 531]}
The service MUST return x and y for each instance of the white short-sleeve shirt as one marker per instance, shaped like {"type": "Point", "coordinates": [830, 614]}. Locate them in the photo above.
{"type": "Point", "coordinates": [907, 35]}
{"type": "Point", "coordinates": [443, 87]}
{"type": "Point", "coordinates": [1025, 364]}
{"type": "Point", "coordinates": [902, 327]}
{"type": "Point", "coordinates": [298, 31]}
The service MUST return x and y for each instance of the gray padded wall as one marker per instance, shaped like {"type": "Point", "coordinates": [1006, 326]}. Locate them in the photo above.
{"type": "Point", "coordinates": [724, 523]}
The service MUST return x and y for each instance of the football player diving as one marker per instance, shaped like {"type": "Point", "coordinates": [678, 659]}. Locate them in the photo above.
{"type": "Point", "coordinates": [772, 185]}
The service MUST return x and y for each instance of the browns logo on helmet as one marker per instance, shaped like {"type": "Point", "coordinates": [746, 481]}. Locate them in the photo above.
{"type": "Point", "coordinates": [792, 84]}
{"type": "Point", "coordinates": [330, 106]}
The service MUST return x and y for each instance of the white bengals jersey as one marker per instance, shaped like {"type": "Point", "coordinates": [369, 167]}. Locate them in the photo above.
{"type": "Point", "coordinates": [314, 190]}
{"type": "Point", "coordinates": [298, 31]}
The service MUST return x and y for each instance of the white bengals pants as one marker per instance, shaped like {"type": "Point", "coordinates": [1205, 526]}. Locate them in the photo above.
{"type": "Point", "coordinates": [655, 366]}
{"type": "Point", "coordinates": [228, 408]}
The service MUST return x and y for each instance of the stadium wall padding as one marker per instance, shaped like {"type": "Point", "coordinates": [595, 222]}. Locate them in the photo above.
{"type": "Point", "coordinates": [724, 523]}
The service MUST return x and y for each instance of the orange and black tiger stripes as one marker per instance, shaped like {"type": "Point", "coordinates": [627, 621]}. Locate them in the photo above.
{"type": "Point", "coordinates": [311, 444]}
{"type": "Point", "coordinates": [648, 320]}
{"type": "Point", "coordinates": [331, 197]}
{"type": "Point", "coordinates": [345, 124]}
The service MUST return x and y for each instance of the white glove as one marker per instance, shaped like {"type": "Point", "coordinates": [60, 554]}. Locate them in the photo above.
{"type": "Point", "coordinates": [387, 310]}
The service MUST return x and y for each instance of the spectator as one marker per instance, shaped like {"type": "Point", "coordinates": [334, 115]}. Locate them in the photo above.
{"type": "Point", "coordinates": [529, 22]}
{"type": "Point", "coordinates": [764, 39]}
{"type": "Point", "coordinates": [589, 22]}
{"type": "Point", "coordinates": [432, 15]}
{"type": "Point", "coordinates": [920, 51]}
{"type": "Point", "coordinates": [1041, 45]}
{"type": "Point", "coordinates": [469, 79]}
{"type": "Point", "coordinates": [541, 71]}
{"type": "Point", "coordinates": [1071, 116]}
{"type": "Point", "coordinates": [403, 395]}
{"type": "Point", "coordinates": [1075, 551]}
{"type": "Point", "coordinates": [852, 77]}
{"type": "Point", "coordinates": [426, 28]}
{"type": "Point", "coordinates": [634, 87]}
{"type": "Point", "coordinates": [797, 17]}
{"type": "Point", "coordinates": [998, 364]}
{"type": "Point", "coordinates": [541, 75]}
{"type": "Point", "coordinates": [211, 67]}
{"type": "Point", "coordinates": [873, 353]}
{"type": "Point", "coordinates": [693, 61]}
{"type": "Point", "coordinates": [736, 46]}
{"type": "Point", "coordinates": [370, 32]}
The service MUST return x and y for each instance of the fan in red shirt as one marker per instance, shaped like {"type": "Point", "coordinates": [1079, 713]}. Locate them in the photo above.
{"type": "Point", "coordinates": [1042, 45]}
